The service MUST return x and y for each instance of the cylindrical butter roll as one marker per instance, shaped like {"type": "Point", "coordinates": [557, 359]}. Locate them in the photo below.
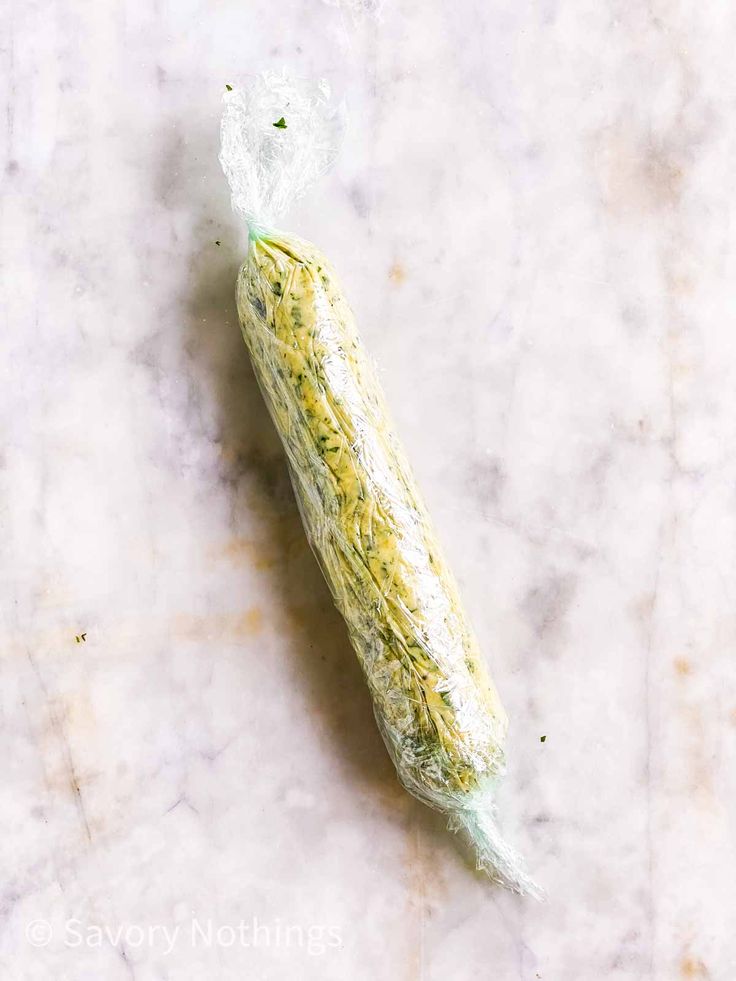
{"type": "Point", "coordinates": [435, 704]}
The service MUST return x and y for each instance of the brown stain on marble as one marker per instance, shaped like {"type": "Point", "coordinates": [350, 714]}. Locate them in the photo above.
{"type": "Point", "coordinates": [699, 759]}
{"type": "Point", "coordinates": [682, 282]}
{"type": "Point", "coordinates": [690, 718]}
{"type": "Point", "coordinates": [638, 174]}
{"type": "Point", "coordinates": [643, 606]}
{"type": "Point", "coordinates": [397, 273]}
{"type": "Point", "coordinates": [220, 626]}
{"type": "Point", "coordinates": [260, 555]}
{"type": "Point", "coordinates": [693, 967]}
{"type": "Point", "coordinates": [251, 623]}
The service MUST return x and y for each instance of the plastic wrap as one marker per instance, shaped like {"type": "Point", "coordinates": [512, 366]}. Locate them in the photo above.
{"type": "Point", "coordinates": [434, 701]}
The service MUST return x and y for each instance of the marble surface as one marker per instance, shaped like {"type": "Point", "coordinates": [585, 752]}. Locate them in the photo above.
{"type": "Point", "coordinates": [533, 217]}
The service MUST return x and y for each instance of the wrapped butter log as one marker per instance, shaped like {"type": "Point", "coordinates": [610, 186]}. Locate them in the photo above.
{"type": "Point", "coordinates": [434, 701]}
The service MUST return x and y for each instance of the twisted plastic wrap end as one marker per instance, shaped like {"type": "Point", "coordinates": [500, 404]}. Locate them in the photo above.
{"type": "Point", "coordinates": [277, 137]}
{"type": "Point", "coordinates": [494, 856]}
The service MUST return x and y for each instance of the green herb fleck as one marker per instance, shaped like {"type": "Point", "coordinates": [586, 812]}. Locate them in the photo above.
{"type": "Point", "coordinates": [281, 124]}
{"type": "Point", "coordinates": [542, 739]}
{"type": "Point", "coordinates": [228, 87]}
{"type": "Point", "coordinates": [80, 638]}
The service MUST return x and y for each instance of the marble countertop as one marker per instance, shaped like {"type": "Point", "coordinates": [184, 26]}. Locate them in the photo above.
{"type": "Point", "coordinates": [533, 218]}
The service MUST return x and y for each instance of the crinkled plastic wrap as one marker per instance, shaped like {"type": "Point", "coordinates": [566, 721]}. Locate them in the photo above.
{"type": "Point", "coordinates": [435, 704]}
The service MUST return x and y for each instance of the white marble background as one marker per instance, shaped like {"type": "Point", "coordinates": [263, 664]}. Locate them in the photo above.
{"type": "Point", "coordinates": [533, 216]}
